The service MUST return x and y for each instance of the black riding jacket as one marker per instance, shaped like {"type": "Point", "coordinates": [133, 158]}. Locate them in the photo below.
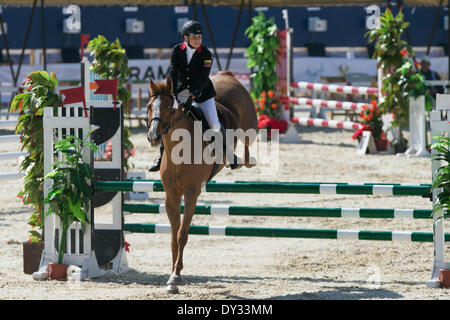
{"type": "Point", "coordinates": [193, 76]}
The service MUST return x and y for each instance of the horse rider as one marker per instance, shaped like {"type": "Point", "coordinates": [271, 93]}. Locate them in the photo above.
{"type": "Point", "coordinates": [432, 75]}
{"type": "Point", "coordinates": [190, 65]}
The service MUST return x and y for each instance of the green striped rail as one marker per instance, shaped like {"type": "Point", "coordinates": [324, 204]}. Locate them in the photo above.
{"type": "Point", "coordinates": [290, 233]}
{"type": "Point", "coordinates": [288, 211]}
{"type": "Point", "coordinates": [277, 187]}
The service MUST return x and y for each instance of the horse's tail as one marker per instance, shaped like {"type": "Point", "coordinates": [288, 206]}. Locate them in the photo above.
{"type": "Point", "coordinates": [226, 73]}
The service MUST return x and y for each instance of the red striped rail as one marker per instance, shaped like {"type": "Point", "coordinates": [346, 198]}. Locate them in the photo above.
{"type": "Point", "coordinates": [334, 88]}
{"type": "Point", "coordinates": [315, 122]}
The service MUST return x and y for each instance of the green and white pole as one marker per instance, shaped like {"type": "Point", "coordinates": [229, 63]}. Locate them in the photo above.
{"type": "Point", "coordinates": [226, 210]}
{"type": "Point", "coordinates": [406, 236]}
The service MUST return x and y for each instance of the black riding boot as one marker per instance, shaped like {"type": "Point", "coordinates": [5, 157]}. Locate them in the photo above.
{"type": "Point", "coordinates": [157, 163]}
{"type": "Point", "coordinates": [235, 164]}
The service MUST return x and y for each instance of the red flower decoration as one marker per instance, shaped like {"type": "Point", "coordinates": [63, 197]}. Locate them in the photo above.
{"type": "Point", "coordinates": [358, 133]}
{"type": "Point", "coordinates": [265, 122]}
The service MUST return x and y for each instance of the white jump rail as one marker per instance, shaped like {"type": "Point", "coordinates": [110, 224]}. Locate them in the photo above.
{"type": "Point", "coordinates": [320, 87]}
{"type": "Point", "coordinates": [11, 176]}
{"type": "Point", "coordinates": [13, 155]}
{"type": "Point", "coordinates": [10, 138]}
{"type": "Point", "coordinates": [7, 123]}
{"type": "Point", "coordinates": [10, 89]}
{"type": "Point", "coordinates": [6, 176]}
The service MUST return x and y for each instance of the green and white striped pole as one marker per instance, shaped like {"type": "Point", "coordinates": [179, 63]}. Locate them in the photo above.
{"type": "Point", "coordinates": [290, 233]}
{"type": "Point", "coordinates": [226, 210]}
{"type": "Point", "coordinates": [277, 187]}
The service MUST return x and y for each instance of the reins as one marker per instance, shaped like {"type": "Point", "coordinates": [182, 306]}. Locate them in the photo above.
{"type": "Point", "coordinates": [171, 122]}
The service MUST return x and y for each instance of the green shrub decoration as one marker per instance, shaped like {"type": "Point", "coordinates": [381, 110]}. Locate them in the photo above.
{"type": "Point", "coordinates": [442, 146]}
{"type": "Point", "coordinates": [401, 76]}
{"type": "Point", "coordinates": [39, 92]}
{"type": "Point", "coordinates": [70, 193]}
{"type": "Point", "coordinates": [111, 62]}
{"type": "Point", "coordinates": [262, 58]}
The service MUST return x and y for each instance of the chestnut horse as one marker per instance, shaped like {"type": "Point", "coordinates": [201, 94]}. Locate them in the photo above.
{"type": "Point", "coordinates": [235, 109]}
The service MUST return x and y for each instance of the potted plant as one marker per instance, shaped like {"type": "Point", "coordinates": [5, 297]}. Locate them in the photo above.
{"type": "Point", "coordinates": [262, 61]}
{"type": "Point", "coordinates": [442, 180]}
{"type": "Point", "coordinates": [371, 121]}
{"type": "Point", "coordinates": [39, 92]}
{"type": "Point", "coordinates": [401, 77]}
{"type": "Point", "coordinates": [70, 193]}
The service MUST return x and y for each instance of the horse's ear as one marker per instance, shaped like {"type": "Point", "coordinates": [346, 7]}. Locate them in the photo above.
{"type": "Point", "coordinates": [169, 84]}
{"type": "Point", "coordinates": [151, 85]}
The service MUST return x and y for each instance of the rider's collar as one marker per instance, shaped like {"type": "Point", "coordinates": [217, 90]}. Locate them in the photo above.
{"type": "Point", "coordinates": [185, 44]}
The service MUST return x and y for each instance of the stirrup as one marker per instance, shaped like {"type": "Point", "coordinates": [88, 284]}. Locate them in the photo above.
{"type": "Point", "coordinates": [156, 165]}
{"type": "Point", "coordinates": [235, 163]}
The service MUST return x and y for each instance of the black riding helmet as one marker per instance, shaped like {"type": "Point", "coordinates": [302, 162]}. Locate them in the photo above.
{"type": "Point", "coordinates": [191, 27]}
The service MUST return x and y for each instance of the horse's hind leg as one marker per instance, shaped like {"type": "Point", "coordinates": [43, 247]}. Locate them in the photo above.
{"type": "Point", "coordinates": [249, 162]}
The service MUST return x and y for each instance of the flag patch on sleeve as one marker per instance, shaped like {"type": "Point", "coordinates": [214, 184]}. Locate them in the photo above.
{"type": "Point", "coordinates": [207, 63]}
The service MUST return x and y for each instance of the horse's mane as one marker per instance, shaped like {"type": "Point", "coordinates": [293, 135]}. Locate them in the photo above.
{"type": "Point", "coordinates": [226, 73]}
{"type": "Point", "coordinates": [161, 88]}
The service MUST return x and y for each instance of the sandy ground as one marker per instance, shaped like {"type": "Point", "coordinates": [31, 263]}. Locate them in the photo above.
{"type": "Point", "coordinates": [256, 268]}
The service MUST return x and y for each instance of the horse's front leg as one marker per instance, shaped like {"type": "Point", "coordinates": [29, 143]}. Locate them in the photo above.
{"type": "Point", "coordinates": [172, 204]}
{"type": "Point", "coordinates": [190, 201]}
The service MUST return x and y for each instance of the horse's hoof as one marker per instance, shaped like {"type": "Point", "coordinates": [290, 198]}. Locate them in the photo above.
{"type": "Point", "coordinates": [175, 280]}
{"type": "Point", "coordinates": [172, 289]}
{"type": "Point", "coordinates": [235, 167]}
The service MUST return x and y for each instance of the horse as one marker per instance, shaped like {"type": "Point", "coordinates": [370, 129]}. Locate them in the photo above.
{"type": "Point", "coordinates": [235, 109]}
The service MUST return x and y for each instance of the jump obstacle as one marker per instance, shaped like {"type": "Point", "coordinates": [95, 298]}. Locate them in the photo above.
{"type": "Point", "coordinates": [290, 233]}
{"type": "Point", "coordinates": [227, 210]}
{"type": "Point", "coordinates": [314, 122]}
{"type": "Point", "coordinates": [108, 239]}
{"type": "Point", "coordinates": [417, 119]}
{"type": "Point", "coordinates": [290, 102]}
{"type": "Point", "coordinates": [320, 87]}
{"type": "Point", "coordinates": [277, 187]}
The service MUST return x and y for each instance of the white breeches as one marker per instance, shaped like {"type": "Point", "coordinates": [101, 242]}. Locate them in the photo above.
{"type": "Point", "coordinates": [209, 110]}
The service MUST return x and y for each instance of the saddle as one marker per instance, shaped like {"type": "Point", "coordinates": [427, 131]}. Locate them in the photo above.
{"type": "Point", "coordinates": [198, 115]}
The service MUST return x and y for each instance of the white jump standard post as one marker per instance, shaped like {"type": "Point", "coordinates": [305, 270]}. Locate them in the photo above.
{"type": "Point", "coordinates": [79, 249]}
{"type": "Point", "coordinates": [101, 245]}
{"type": "Point", "coordinates": [417, 128]}
{"type": "Point", "coordinates": [439, 127]}
{"type": "Point", "coordinates": [291, 135]}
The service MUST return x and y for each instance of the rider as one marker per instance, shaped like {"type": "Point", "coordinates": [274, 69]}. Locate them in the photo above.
{"type": "Point", "coordinates": [190, 65]}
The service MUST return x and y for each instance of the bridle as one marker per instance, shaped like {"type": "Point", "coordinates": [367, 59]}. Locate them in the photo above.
{"type": "Point", "coordinates": [171, 109]}
{"type": "Point", "coordinates": [170, 124]}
